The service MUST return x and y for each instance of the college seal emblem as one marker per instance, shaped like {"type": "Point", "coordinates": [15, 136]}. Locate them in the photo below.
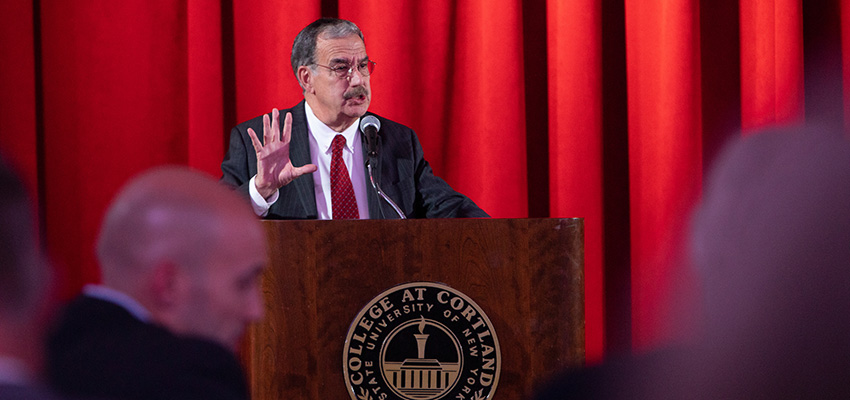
{"type": "Point", "coordinates": [421, 341]}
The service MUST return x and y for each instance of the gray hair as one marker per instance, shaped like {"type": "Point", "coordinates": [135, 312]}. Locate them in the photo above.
{"type": "Point", "coordinates": [304, 47]}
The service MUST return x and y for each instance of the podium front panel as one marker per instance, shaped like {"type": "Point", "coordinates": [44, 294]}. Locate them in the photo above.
{"type": "Point", "coordinates": [525, 274]}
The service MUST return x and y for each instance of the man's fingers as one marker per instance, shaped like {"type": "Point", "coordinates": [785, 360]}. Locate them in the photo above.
{"type": "Point", "coordinates": [255, 141]}
{"type": "Point", "coordinates": [304, 169]}
{"type": "Point", "coordinates": [275, 125]}
{"type": "Point", "coordinates": [267, 134]}
{"type": "Point", "coordinates": [287, 128]}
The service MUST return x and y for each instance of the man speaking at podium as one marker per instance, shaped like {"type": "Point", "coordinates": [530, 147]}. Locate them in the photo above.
{"type": "Point", "coordinates": [332, 159]}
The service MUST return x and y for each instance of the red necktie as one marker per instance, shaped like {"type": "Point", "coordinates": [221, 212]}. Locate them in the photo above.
{"type": "Point", "coordinates": [343, 202]}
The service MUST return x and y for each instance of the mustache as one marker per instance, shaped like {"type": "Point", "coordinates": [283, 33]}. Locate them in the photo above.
{"type": "Point", "coordinates": [355, 92]}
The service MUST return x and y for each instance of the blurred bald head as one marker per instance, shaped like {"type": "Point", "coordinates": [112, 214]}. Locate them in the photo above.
{"type": "Point", "coordinates": [188, 249]}
{"type": "Point", "coordinates": [168, 213]}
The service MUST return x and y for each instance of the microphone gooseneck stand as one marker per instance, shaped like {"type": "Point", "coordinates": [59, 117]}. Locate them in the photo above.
{"type": "Point", "coordinates": [380, 192]}
{"type": "Point", "coordinates": [370, 125]}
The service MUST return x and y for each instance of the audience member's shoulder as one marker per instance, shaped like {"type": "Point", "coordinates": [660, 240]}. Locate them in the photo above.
{"type": "Point", "coordinates": [15, 392]}
{"type": "Point", "coordinates": [86, 314]}
{"type": "Point", "coordinates": [203, 353]}
{"type": "Point", "coordinates": [137, 359]}
{"type": "Point", "coordinates": [631, 376]}
{"type": "Point", "coordinates": [602, 381]}
{"type": "Point", "coordinates": [209, 368]}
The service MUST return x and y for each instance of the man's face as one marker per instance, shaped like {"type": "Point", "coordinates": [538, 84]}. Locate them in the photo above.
{"type": "Point", "coordinates": [336, 101]}
{"type": "Point", "coordinates": [224, 296]}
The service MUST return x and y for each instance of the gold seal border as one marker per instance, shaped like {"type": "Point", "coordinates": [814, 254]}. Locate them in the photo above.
{"type": "Point", "coordinates": [402, 286]}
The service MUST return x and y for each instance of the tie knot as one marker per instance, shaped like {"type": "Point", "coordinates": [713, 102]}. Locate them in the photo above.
{"type": "Point", "coordinates": [338, 143]}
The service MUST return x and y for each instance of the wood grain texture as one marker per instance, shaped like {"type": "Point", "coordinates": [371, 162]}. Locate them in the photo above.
{"type": "Point", "coordinates": [526, 274]}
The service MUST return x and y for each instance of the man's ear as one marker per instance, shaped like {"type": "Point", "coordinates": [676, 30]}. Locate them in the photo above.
{"type": "Point", "coordinates": [305, 78]}
{"type": "Point", "coordinates": [166, 285]}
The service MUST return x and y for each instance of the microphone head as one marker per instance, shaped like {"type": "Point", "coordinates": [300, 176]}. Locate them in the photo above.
{"type": "Point", "coordinates": [370, 121]}
{"type": "Point", "coordinates": [370, 125]}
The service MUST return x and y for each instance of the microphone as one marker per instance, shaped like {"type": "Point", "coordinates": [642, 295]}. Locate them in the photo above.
{"type": "Point", "coordinates": [370, 125]}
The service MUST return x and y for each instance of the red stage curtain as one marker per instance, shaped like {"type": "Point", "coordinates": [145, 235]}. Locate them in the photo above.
{"type": "Point", "coordinates": [115, 100]}
{"type": "Point", "coordinates": [845, 56]}
{"type": "Point", "coordinates": [206, 94]}
{"type": "Point", "coordinates": [575, 141]}
{"type": "Point", "coordinates": [665, 151]}
{"type": "Point", "coordinates": [95, 91]}
{"type": "Point", "coordinates": [263, 32]}
{"type": "Point", "coordinates": [17, 90]}
{"type": "Point", "coordinates": [771, 62]}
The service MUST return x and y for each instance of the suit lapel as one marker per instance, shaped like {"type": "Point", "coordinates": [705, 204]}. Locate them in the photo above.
{"type": "Point", "coordinates": [378, 208]}
{"type": "Point", "coordinates": [299, 154]}
{"type": "Point", "coordinates": [371, 194]}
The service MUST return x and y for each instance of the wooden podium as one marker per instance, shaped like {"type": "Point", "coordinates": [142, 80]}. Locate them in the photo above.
{"type": "Point", "coordinates": [525, 274]}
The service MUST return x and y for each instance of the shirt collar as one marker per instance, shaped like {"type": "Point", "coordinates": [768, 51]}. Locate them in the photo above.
{"type": "Point", "coordinates": [324, 135]}
{"type": "Point", "coordinates": [113, 296]}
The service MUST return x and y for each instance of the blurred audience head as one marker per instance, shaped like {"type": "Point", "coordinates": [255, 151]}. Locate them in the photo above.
{"type": "Point", "coordinates": [24, 274]}
{"type": "Point", "coordinates": [771, 243]}
{"type": "Point", "coordinates": [189, 250]}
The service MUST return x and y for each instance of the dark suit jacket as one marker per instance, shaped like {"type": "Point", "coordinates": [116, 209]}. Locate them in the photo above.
{"type": "Point", "coordinates": [400, 169]}
{"type": "Point", "coordinates": [15, 392]}
{"type": "Point", "coordinates": [98, 349]}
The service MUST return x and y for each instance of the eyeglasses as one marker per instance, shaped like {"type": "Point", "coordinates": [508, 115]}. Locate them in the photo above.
{"type": "Point", "coordinates": [344, 71]}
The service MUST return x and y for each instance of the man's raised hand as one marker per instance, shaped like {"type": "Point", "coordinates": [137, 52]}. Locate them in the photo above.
{"type": "Point", "coordinates": [274, 168]}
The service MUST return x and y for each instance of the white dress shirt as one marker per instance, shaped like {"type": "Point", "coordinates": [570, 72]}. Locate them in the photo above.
{"type": "Point", "coordinates": [320, 138]}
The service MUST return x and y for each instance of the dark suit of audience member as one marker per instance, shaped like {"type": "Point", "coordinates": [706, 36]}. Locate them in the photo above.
{"type": "Point", "coordinates": [27, 392]}
{"type": "Point", "coordinates": [101, 348]}
{"type": "Point", "coordinates": [180, 257]}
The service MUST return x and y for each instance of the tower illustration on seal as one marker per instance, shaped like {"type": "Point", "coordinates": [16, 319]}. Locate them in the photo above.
{"type": "Point", "coordinates": [421, 378]}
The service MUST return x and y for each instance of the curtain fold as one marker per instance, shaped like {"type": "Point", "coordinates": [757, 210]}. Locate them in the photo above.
{"type": "Point", "coordinates": [205, 84]}
{"type": "Point", "coordinates": [665, 153]}
{"type": "Point", "coordinates": [844, 6]}
{"type": "Point", "coordinates": [263, 32]}
{"type": "Point", "coordinates": [18, 124]}
{"type": "Point", "coordinates": [575, 141]}
{"type": "Point", "coordinates": [771, 62]}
